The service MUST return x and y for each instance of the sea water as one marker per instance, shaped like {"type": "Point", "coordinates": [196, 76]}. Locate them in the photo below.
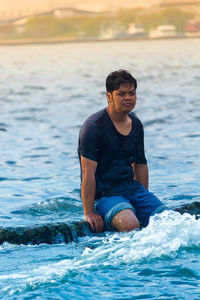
{"type": "Point", "coordinates": [46, 93]}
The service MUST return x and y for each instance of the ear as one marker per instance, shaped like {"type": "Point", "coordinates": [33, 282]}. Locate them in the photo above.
{"type": "Point", "coordinates": [109, 97]}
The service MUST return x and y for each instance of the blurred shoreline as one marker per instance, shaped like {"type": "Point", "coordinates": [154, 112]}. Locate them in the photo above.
{"type": "Point", "coordinates": [15, 42]}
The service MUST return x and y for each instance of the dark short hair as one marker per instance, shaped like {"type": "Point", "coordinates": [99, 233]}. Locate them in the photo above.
{"type": "Point", "coordinates": [117, 78]}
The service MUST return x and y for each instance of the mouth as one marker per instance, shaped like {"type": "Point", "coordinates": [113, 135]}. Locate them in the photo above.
{"type": "Point", "coordinates": [128, 104]}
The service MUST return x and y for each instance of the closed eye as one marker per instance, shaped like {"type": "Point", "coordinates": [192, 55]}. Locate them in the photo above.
{"type": "Point", "coordinates": [131, 93]}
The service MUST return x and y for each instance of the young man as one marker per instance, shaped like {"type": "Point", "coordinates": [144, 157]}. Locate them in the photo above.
{"type": "Point", "coordinates": [114, 170]}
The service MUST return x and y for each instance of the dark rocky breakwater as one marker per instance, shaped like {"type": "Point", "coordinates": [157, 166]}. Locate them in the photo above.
{"type": "Point", "coordinates": [48, 233]}
{"type": "Point", "coordinates": [65, 233]}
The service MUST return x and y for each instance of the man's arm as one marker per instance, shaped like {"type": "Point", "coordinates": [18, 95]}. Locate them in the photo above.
{"type": "Point", "coordinates": [141, 174]}
{"type": "Point", "coordinates": [88, 189]}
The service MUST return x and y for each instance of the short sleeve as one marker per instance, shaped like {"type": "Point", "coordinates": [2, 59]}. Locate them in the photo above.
{"type": "Point", "coordinates": [89, 141]}
{"type": "Point", "coordinates": [140, 154]}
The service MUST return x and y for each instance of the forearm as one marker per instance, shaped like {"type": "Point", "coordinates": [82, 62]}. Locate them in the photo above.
{"type": "Point", "coordinates": [141, 174]}
{"type": "Point", "coordinates": [88, 188]}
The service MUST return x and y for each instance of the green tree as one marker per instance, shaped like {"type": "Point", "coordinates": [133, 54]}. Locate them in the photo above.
{"type": "Point", "coordinates": [151, 20]}
{"type": "Point", "coordinates": [127, 16]}
{"type": "Point", "coordinates": [167, 16]}
{"type": "Point", "coordinates": [7, 31]}
{"type": "Point", "coordinates": [47, 26]}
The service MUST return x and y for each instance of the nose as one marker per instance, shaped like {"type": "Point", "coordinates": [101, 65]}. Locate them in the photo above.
{"type": "Point", "coordinates": [127, 96]}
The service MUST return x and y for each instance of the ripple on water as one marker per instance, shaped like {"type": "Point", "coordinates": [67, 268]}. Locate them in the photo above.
{"type": "Point", "coordinates": [193, 135]}
{"type": "Point", "coordinates": [7, 179]}
{"type": "Point", "coordinates": [35, 156]}
{"type": "Point", "coordinates": [10, 162]}
{"type": "Point", "coordinates": [35, 178]}
{"type": "Point", "coordinates": [155, 121]}
{"type": "Point", "coordinates": [183, 198]}
{"type": "Point", "coordinates": [35, 87]}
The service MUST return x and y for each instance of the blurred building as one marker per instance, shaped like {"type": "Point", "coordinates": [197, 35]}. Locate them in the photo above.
{"type": "Point", "coordinates": [135, 30]}
{"type": "Point", "coordinates": [163, 31]}
{"type": "Point", "coordinates": [192, 28]}
{"type": "Point", "coordinates": [91, 6]}
{"type": "Point", "coordinates": [75, 12]}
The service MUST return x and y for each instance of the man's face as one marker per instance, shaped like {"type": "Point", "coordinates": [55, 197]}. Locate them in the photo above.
{"type": "Point", "coordinates": [123, 99]}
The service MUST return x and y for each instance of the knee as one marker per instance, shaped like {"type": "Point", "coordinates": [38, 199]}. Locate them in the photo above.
{"type": "Point", "coordinates": [129, 226]}
{"type": "Point", "coordinates": [125, 221]}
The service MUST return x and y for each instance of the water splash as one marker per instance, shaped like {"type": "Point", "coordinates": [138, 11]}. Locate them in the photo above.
{"type": "Point", "coordinates": [166, 234]}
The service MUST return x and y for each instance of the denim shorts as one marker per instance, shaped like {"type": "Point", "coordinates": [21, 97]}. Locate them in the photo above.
{"type": "Point", "coordinates": [142, 203]}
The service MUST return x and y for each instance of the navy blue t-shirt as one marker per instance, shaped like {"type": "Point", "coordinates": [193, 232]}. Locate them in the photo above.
{"type": "Point", "coordinates": [100, 141]}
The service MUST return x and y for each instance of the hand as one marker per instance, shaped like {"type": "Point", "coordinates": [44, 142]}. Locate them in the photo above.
{"type": "Point", "coordinates": [96, 222]}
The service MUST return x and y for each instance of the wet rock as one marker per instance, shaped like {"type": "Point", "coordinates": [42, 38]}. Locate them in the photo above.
{"type": "Point", "coordinates": [49, 234]}
{"type": "Point", "coordinates": [191, 208]}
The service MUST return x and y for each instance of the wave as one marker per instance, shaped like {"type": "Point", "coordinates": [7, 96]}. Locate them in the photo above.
{"type": "Point", "coordinates": [49, 206]}
{"type": "Point", "coordinates": [35, 87]}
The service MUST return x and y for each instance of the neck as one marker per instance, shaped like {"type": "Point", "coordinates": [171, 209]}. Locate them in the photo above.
{"type": "Point", "coordinates": [116, 116]}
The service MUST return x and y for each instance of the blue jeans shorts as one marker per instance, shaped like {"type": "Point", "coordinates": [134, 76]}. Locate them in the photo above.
{"type": "Point", "coordinates": [142, 203]}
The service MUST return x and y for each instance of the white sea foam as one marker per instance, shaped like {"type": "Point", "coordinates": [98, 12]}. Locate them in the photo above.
{"type": "Point", "coordinates": [165, 235]}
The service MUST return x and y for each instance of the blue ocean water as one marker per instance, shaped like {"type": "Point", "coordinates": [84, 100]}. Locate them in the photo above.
{"type": "Point", "coordinates": [46, 93]}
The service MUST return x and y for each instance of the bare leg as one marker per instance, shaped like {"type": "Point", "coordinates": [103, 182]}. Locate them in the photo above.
{"type": "Point", "coordinates": [125, 220]}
